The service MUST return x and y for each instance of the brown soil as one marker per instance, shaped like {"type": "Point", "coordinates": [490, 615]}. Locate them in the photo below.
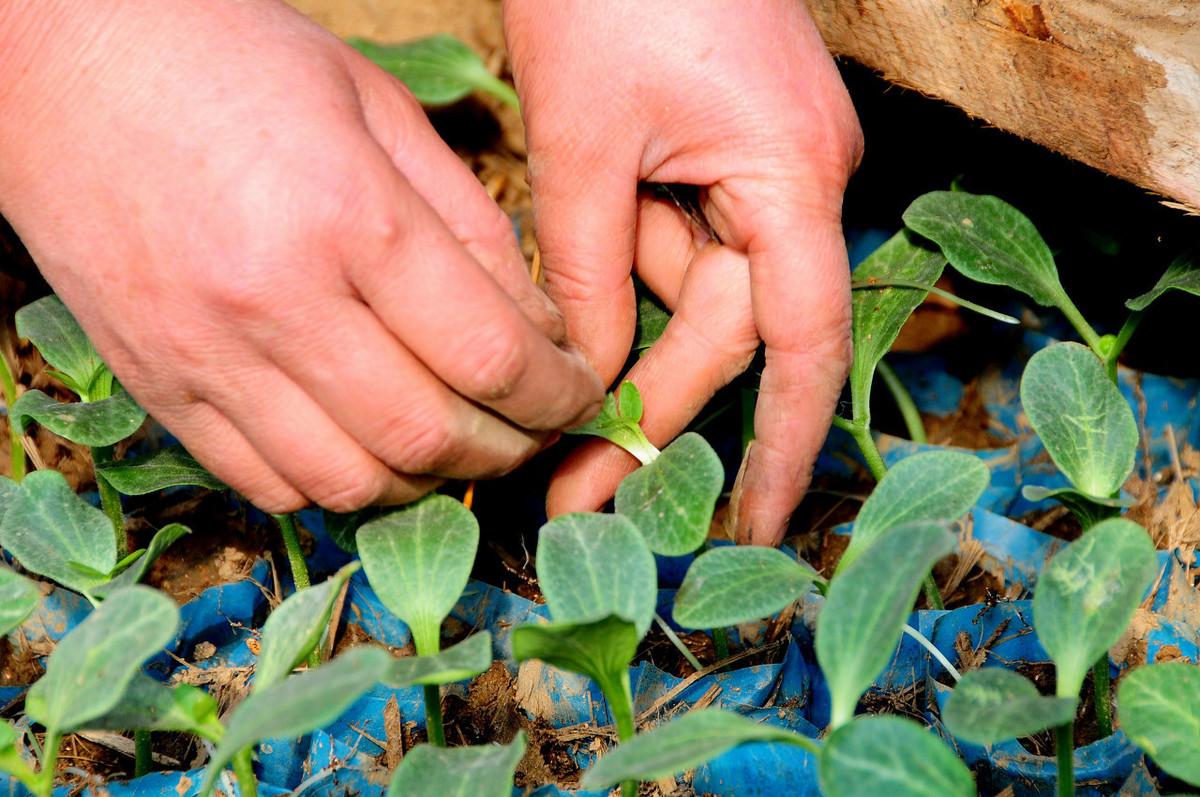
{"type": "Point", "coordinates": [1042, 675]}
{"type": "Point", "coordinates": [970, 426]}
{"type": "Point", "coordinates": [962, 590]}
{"type": "Point", "coordinates": [1057, 521]}
{"type": "Point", "coordinates": [657, 649]}
{"type": "Point", "coordinates": [102, 763]}
{"type": "Point", "coordinates": [19, 664]}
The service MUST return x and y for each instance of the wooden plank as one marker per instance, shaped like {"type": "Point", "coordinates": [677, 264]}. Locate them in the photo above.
{"type": "Point", "coordinates": [1112, 83]}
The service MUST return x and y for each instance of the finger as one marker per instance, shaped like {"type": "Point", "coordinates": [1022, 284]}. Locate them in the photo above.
{"type": "Point", "coordinates": [667, 242]}
{"type": "Point", "coordinates": [800, 283]}
{"type": "Point", "coordinates": [391, 404]}
{"type": "Point", "coordinates": [585, 209]}
{"type": "Point", "coordinates": [709, 341]}
{"type": "Point", "coordinates": [449, 312]}
{"type": "Point", "coordinates": [440, 177]}
{"type": "Point", "coordinates": [304, 446]}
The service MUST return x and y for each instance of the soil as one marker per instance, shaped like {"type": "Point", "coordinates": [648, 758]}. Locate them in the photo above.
{"type": "Point", "coordinates": [970, 426]}
{"type": "Point", "coordinates": [19, 664]}
{"type": "Point", "coordinates": [1042, 675]}
{"type": "Point", "coordinates": [1057, 521]}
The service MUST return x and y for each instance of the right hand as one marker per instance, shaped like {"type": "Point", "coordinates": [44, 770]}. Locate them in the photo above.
{"type": "Point", "coordinates": [275, 253]}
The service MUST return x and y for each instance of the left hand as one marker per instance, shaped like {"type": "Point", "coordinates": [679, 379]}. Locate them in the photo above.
{"type": "Point", "coordinates": [744, 101]}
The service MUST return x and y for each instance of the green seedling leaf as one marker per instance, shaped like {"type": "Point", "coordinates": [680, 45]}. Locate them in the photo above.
{"type": "Point", "coordinates": [1160, 712]}
{"type": "Point", "coordinates": [879, 314]}
{"type": "Point", "coordinates": [990, 241]}
{"type": "Point", "coordinates": [880, 755]}
{"type": "Point", "coordinates": [18, 598]}
{"type": "Point", "coordinates": [591, 565]}
{"type": "Point", "coordinates": [683, 743]}
{"type": "Point", "coordinates": [737, 584]}
{"type": "Point", "coordinates": [1081, 417]}
{"type": "Point", "coordinates": [299, 704]}
{"type": "Point", "coordinates": [465, 660]}
{"type": "Point", "coordinates": [100, 423]}
{"type": "Point", "coordinates": [296, 627]}
{"type": "Point", "coordinates": [135, 572]}
{"type": "Point", "coordinates": [671, 500]}
{"type": "Point", "coordinates": [48, 528]}
{"type": "Point", "coordinates": [992, 704]}
{"type": "Point", "coordinates": [61, 341]}
{"type": "Point", "coordinates": [866, 606]}
{"type": "Point", "coordinates": [629, 402]}
{"type": "Point", "coordinates": [618, 429]}
{"type": "Point", "coordinates": [1182, 275]}
{"type": "Point", "coordinates": [485, 771]}
{"type": "Point", "coordinates": [1089, 510]}
{"type": "Point", "coordinates": [169, 467]}
{"type": "Point", "coordinates": [342, 527]}
{"type": "Point", "coordinates": [92, 666]}
{"type": "Point", "coordinates": [438, 70]}
{"type": "Point", "coordinates": [652, 321]}
{"type": "Point", "coordinates": [418, 560]}
{"type": "Point", "coordinates": [1087, 595]}
{"type": "Point", "coordinates": [931, 485]}
{"type": "Point", "coordinates": [150, 705]}
{"type": "Point", "coordinates": [602, 650]}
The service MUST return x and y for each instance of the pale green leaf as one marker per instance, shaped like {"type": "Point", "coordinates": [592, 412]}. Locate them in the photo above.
{"type": "Point", "coordinates": [893, 756]}
{"type": "Point", "coordinates": [465, 660]}
{"type": "Point", "coordinates": [683, 743]}
{"type": "Point", "coordinates": [1160, 711]}
{"type": "Point", "coordinates": [629, 402]}
{"type": "Point", "coordinates": [100, 423]}
{"type": "Point", "coordinates": [18, 598]}
{"type": "Point", "coordinates": [618, 430]}
{"type": "Point", "coordinates": [167, 467]}
{"type": "Point", "coordinates": [486, 771]}
{"type": "Point", "coordinates": [880, 313]}
{"type": "Point", "coordinates": [1088, 509]}
{"type": "Point", "coordinates": [438, 70]}
{"type": "Point", "coordinates": [418, 561]}
{"type": "Point", "coordinates": [299, 704]}
{"type": "Point", "coordinates": [671, 500]}
{"type": "Point", "coordinates": [48, 526]}
{"type": "Point", "coordinates": [92, 666]}
{"type": "Point", "coordinates": [1182, 275]}
{"type": "Point", "coordinates": [150, 705]}
{"type": "Point", "coordinates": [993, 704]}
{"type": "Point", "coordinates": [591, 565]}
{"type": "Point", "coordinates": [737, 584]}
{"type": "Point", "coordinates": [296, 627]}
{"type": "Point", "coordinates": [163, 539]}
{"type": "Point", "coordinates": [1087, 594]}
{"type": "Point", "coordinates": [866, 606]}
{"type": "Point", "coordinates": [652, 320]}
{"type": "Point", "coordinates": [990, 241]}
{"type": "Point", "coordinates": [49, 325]}
{"type": "Point", "coordinates": [931, 485]}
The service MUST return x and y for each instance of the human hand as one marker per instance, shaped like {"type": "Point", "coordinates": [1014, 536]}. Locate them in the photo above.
{"type": "Point", "coordinates": [274, 251]}
{"type": "Point", "coordinates": [744, 101]}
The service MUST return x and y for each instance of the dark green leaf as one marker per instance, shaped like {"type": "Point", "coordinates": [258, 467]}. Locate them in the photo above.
{"type": "Point", "coordinates": [1182, 275]}
{"type": "Point", "coordinates": [1081, 417]}
{"type": "Point", "coordinates": [150, 705]}
{"type": "Point", "coordinates": [486, 771]}
{"type": "Point", "coordinates": [591, 565]}
{"type": "Point", "coordinates": [1087, 594]}
{"type": "Point", "coordinates": [48, 527]}
{"type": "Point", "coordinates": [60, 340]}
{"type": "Point", "coordinates": [993, 704]}
{"type": "Point", "coordinates": [683, 743]}
{"type": "Point", "coordinates": [891, 756]}
{"type": "Point", "coordinates": [737, 584]}
{"type": "Point", "coordinates": [1160, 712]}
{"type": "Point", "coordinates": [168, 467]}
{"type": "Point", "coordinates": [438, 70]}
{"type": "Point", "coordinates": [299, 704]}
{"type": "Point", "coordinates": [465, 660]}
{"type": "Point", "coordinates": [92, 666]}
{"type": "Point", "coordinates": [100, 423]}
{"type": "Point", "coordinates": [163, 539]}
{"type": "Point", "coordinates": [990, 241]}
{"type": "Point", "coordinates": [18, 598]}
{"type": "Point", "coordinates": [418, 561]}
{"type": "Point", "coordinates": [652, 321]}
{"type": "Point", "coordinates": [866, 606]}
{"type": "Point", "coordinates": [342, 527]}
{"type": "Point", "coordinates": [671, 500]}
{"type": "Point", "coordinates": [296, 627]}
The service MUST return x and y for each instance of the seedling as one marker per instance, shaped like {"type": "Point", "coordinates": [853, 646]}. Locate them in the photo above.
{"type": "Point", "coordinates": [1160, 712]}
{"type": "Point", "coordinates": [438, 70]}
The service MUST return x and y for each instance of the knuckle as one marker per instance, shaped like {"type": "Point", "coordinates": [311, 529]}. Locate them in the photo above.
{"type": "Point", "coordinates": [495, 364]}
{"type": "Point", "coordinates": [427, 445]}
{"type": "Point", "coordinates": [276, 500]}
{"type": "Point", "coordinates": [360, 489]}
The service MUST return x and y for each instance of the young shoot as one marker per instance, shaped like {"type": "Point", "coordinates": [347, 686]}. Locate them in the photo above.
{"type": "Point", "coordinates": [438, 70]}
{"type": "Point", "coordinates": [618, 423]}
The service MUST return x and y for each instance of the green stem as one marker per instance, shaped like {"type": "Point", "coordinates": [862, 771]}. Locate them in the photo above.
{"type": "Point", "coordinates": [110, 499]}
{"type": "Point", "coordinates": [1122, 340]}
{"type": "Point", "coordinates": [1102, 693]}
{"type": "Point", "coordinates": [142, 753]}
{"type": "Point", "coordinates": [866, 444]}
{"type": "Point", "coordinates": [433, 715]}
{"type": "Point", "coordinates": [995, 315]}
{"type": "Point", "coordinates": [299, 568]}
{"type": "Point", "coordinates": [1064, 746]}
{"type": "Point", "coordinates": [721, 643]}
{"type": "Point", "coordinates": [15, 437]}
{"type": "Point", "coordinates": [933, 596]}
{"type": "Point", "coordinates": [243, 768]}
{"type": "Point", "coordinates": [620, 701]}
{"type": "Point", "coordinates": [674, 639]}
{"type": "Point", "coordinates": [1089, 335]}
{"type": "Point", "coordinates": [904, 402]}
{"type": "Point", "coordinates": [501, 91]}
{"type": "Point", "coordinates": [49, 764]}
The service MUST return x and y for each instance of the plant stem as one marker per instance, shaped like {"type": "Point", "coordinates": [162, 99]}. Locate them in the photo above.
{"type": "Point", "coordinates": [49, 763]}
{"type": "Point", "coordinates": [10, 397]}
{"type": "Point", "coordinates": [721, 643]}
{"type": "Point", "coordinates": [110, 499]}
{"type": "Point", "coordinates": [1102, 693]}
{"type": "Point", "coordinates": [291, 542]}
{"type": "Point", "coordinates": [1064, 747]}
{"type": "Point", "coordinates": [866, 444]}
{"type": "Point", "coordinates": [142, 753]}
{"type": "Point", "coordinates": [904, 402]}
{"type": "Point", "coordinates": [433, 715]}
{"type": "Point", "coordinates": [1089, 335]}
{"type": "Point", "coordinates": [924, 642]}
{"type": "Point", "coordinates": [501, 91]}
{"type": "Point", "coordinates": [620, 701]}
{"type": "Point", "coordinates": [678, 643]}
{"type": "Point", "coordinates": [1118, 346]}
{"type": "Point", "coordinates": [243, 768]}
{"type": "Point", "coordinates": [932, 595]}
{"type": "Point", "coordinates": [995, 315]}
